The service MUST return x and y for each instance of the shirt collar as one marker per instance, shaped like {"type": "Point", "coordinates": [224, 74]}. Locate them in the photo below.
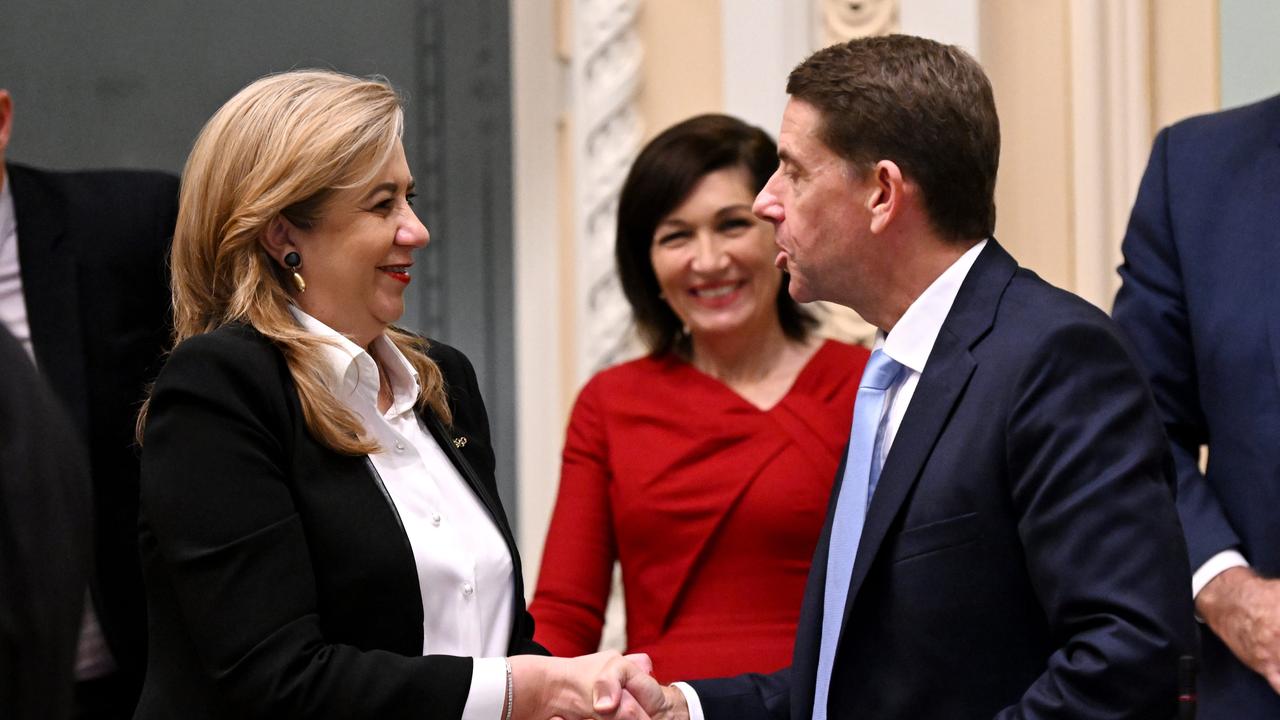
{"type": "Point", "coordinates": [353, 372]}
{"type": "Point", "coordinates": [913, 336]}
{"type": "Point", "coordinates": [8, 215]}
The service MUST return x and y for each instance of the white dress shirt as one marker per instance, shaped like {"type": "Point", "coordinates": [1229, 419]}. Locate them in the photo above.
{"type": "Point", "coordinates": [13, 307]}
{"type": "Point", "coordinates": [464, 567]}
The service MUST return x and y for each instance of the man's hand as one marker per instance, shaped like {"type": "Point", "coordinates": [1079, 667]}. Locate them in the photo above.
{"type": "Point", "coordinates": [658, 702]}
{"type": "Point", "coordinates": [571, 688]}
{"type": "Point", "coordinates": [1244, 610]}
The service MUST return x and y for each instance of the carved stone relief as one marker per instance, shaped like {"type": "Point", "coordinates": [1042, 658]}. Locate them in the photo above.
{"type": "Point", "coordinates": [606, 132]}
{"type": "Point", "coordinates": [841, 20]}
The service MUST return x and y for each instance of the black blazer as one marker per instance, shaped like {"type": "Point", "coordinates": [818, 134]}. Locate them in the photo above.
{"type": "Point", "coordinates": [92, 247]}
{"type": "Point", "coordinates": [44, 542]}
{"type": "Point", "coordinates": [279, 580]}
{"type": "Point", "coordinates": [1021, 556]}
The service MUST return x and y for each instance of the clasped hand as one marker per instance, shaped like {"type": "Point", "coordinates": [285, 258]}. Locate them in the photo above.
{"type": "Point", "coordinates": [605, 685]}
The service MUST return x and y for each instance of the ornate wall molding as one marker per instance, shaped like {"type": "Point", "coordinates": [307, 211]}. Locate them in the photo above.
{"type": "Point", "coordinates": [605, 133]}
{"type": "Point", "coordinates": [840, 20]}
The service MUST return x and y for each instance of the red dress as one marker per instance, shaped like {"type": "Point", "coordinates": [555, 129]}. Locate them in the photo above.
{"type": "Point", "coordinates": [712, 506]}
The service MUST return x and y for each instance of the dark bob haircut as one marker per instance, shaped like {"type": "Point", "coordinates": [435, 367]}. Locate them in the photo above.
{"type": "Point", "coordinates": [661, 178]}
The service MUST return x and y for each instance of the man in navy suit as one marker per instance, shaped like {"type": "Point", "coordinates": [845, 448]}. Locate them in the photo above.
{"type": "Point", "coordinates": [1002, 540]}
{"type": "Point", "coordinates": [83, 288]}
{"type": "Point", "coordinates": [1201, 302]}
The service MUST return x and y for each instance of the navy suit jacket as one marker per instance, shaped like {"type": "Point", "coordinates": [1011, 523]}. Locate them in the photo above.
{"type": "Point", "coordinates": [1021, 556]}
{"type": "Point", "coordinates": [1201, 302]}
{"type": "Point", "coordinates": [92, 248]}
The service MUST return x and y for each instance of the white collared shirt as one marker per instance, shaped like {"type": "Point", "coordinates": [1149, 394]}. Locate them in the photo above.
{"type": "Point", "coordinates": [13, 307]}
{"type": "Point", "coordinates": [912, 339]}
{"type": "Point", "coordinates": [465, 572]}
{"type": "Point", "coordinates": [910, 343]}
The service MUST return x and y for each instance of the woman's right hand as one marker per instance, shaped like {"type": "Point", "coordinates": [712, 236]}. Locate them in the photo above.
{"type": "Point", "coordinates": [590, 686]}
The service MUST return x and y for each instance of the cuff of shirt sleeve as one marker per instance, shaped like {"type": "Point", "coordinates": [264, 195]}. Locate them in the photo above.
{"type": "Point", "coordinates": [488, 689]}
{"type": "Point", "coordinates": [1213, 567]}
{"type": "Point", "coordinates": [691, 697]}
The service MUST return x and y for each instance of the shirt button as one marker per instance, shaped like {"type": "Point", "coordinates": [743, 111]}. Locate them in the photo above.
{"type": "Point", "coordinates": [399, 446]}
{"type": "Point", "coordinates": [468, 589]}
{"type": "Point", "coordinates": [435, 519]}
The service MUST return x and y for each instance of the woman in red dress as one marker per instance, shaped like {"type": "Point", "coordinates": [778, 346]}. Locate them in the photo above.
{"type": "Point", "coordinates": [705, 467]}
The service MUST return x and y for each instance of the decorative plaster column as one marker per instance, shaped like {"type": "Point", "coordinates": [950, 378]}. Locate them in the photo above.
{"type": "Point", "coordinates": [1111, 114]}
{"type": "Point", "coordinates": [605, 134]}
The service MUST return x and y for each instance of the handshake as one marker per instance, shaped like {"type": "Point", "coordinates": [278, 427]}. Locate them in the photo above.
{"type": "Point", "coordinates": [605, 685]}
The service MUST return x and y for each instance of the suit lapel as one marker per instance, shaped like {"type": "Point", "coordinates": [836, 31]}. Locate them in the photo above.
{"type": "Point", "coordinates": [1271, 240]}
{"type": "Point", "coordinates": [50, 287]}
{"type": "Point", "coordinates": [941, 386]}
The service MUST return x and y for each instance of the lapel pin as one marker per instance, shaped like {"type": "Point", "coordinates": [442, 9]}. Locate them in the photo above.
{"type": "Point", "coordinates": [460, 442]}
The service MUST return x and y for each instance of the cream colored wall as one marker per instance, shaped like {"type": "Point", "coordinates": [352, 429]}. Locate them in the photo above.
{"type": "Point", "coordinates": [1185, 73]}
{"type": "Point", "coordinates": [682, 66]}
{"type": "Point", "coordinates": [1024, 48]}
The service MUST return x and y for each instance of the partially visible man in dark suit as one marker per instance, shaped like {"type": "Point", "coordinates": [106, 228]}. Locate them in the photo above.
{"type": "Point", "coordinates": [83, 287]}
{"type": "Point", "coordinates": [44, 543]}
{"type": "Point", "coordinates": [1002, 541]}
{"type": "Point", "coordinates": [1201, 301]}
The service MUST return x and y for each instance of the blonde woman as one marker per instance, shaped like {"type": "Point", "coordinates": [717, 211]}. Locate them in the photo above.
{"type": "Point", "coordinates": [320, 528]}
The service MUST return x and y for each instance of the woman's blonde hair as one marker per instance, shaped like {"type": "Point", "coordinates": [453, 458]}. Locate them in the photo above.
{"type": "Point", "coordinates": [282, 146]}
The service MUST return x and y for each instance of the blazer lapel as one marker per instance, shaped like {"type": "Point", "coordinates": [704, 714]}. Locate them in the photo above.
{"type": "Point", "coordinates": [446, 441]}
{"type": "Point", "coordinates": [941, 386]}
{"type": "Point", "coordinates": [468, 473]}
{"type": "Point", "coordinates": [50, 286]}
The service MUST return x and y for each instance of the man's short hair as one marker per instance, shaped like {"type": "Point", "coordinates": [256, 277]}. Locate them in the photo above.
{"type": "Point", "coordinates": [924, 105]}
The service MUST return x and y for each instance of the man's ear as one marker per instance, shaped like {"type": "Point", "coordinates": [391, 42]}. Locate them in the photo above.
{"type": "Point", "coordinates": [277, 239]}
{"type": "Point", "coordinates": [887, 194]}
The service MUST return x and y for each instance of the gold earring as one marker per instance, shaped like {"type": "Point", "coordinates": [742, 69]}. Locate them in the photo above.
{"type": "Point", "coordinates": [294, 261]}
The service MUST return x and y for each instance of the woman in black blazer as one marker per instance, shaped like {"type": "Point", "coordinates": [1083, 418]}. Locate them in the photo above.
{"type": "Point", "coordinates": [320, 528]}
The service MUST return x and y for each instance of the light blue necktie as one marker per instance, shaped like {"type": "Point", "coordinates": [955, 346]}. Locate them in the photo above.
{"type": "Point", "coordinates": [861, 471]}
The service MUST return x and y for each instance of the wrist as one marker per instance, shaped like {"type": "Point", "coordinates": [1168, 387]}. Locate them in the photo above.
{"type": "Point", "coordinates": [676, 702]}
{"type": "Point", "coordinates": [509, 704]}
{"type": "Point", "coordinates": [1223, 594]}
{"type": "Point", "coordinates": [528, 686]}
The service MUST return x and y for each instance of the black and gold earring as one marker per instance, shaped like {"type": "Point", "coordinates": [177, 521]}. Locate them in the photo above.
{"type": "Point", "coordinates": [294, 261]}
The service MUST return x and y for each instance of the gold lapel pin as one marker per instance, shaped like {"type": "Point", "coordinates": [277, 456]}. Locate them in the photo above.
{"type": "Point", "coordinates": [460, 442]}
